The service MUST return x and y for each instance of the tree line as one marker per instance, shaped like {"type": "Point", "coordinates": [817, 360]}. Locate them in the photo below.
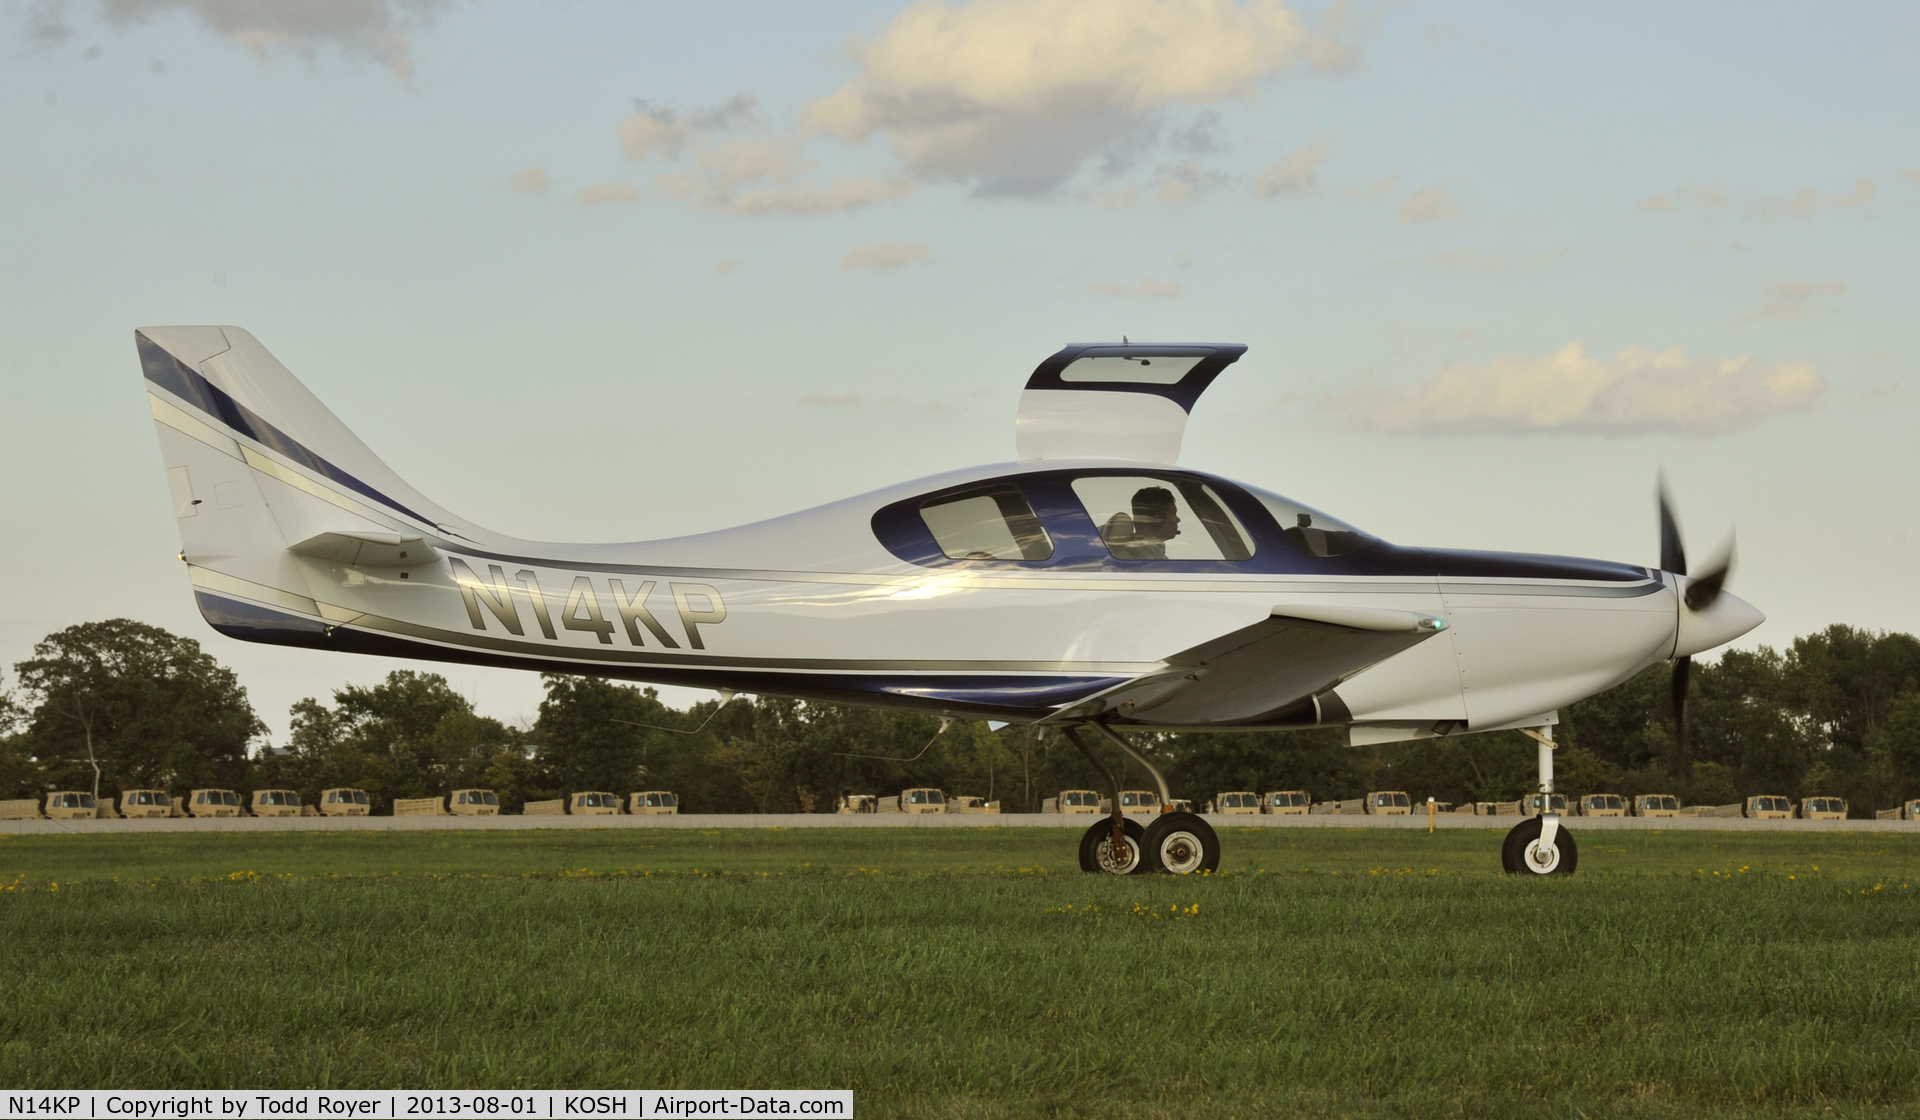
{"type": "Point", "coordinates": [119, 704]}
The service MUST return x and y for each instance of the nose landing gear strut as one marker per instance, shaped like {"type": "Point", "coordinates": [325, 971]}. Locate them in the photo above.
{"type": "Point", "coordinates": [1538, 845]}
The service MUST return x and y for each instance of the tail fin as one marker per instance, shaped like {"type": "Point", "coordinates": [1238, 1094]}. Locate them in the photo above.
{"type": "Point", "coordinates": [259, 471]}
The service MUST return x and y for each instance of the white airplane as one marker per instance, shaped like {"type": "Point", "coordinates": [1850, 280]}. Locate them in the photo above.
{"type": "Point", "coordinates": [1091, 586]}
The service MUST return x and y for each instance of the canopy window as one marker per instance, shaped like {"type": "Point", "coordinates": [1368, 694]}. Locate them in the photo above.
{"type": "Point", "coordinates": [1145, 518]}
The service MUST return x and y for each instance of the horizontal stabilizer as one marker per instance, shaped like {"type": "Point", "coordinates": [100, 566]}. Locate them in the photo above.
{"type": "Point", "coordinates": [368, 550]}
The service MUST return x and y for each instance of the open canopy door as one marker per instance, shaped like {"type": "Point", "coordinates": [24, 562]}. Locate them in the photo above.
{"type": "Point", "coordinates": [1098, 400]}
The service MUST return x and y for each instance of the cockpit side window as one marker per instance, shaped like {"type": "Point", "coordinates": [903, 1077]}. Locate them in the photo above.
{"type": "Point", "coordinates": [1145, 518]}
{"type": "Point", "coordinates": [995, 523]}
{"type": "Point", "coordinates": [1311, 532]}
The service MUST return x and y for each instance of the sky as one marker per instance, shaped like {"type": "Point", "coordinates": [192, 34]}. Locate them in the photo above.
{"type": "Point", "coordinates": [615, 271]}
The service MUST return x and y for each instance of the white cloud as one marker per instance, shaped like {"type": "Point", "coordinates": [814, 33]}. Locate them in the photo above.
{"type": "Point", "coordinates": [1710, 196]}
{"type": "Point", "coordinates": [1716, 197]}
{"type": "Point", "coordinates": [1015, 96]}
{"type": "Point", "coordinates": [753, 177]}
{"type": "Point", "coordinates": [886, 255]}
{"type": "Point", "coordinates": [653, 131]}
{"type": "Point", "coordinates": [1186, 181]}
{"type": "Point", "coordinates": [1812, 201]}
{"type": "Point", "coordinates": [1374, 189]}
{"type": "Point", "coordinates": [1790, 303]}
{"type": "Point", "coordinates": [1638, 390]}
{"type": "Point", "coordinates": [530, 180]}
{"type": "Point", "coordinates": [1296, 173]}
{"type": "Point", "coordinates": [376, 29]}
{"type": "Point", "coordinates": [1159, 289]}
{"type": "Point", "coordinates": [1491, 263]}
{"type": "Point", "coordinates": [606, 192]}
{"type": "Point", "coordinates": [1430, 204]}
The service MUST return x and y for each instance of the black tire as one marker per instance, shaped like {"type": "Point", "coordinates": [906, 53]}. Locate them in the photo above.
{"type": "Point", "coordinates": [1181, 844]}
{"type": "Point", "coordinates": [1100, 833]}
{"type": "Point", "coordinates": [1513, 851]}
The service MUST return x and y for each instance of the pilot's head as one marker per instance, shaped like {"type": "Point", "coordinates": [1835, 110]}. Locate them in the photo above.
{"type": "Point", "coordinates": [1155, 515]}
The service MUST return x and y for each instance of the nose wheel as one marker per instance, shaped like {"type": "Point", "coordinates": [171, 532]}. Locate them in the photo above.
{"type": "Point", "coordinates": [1529, 851]}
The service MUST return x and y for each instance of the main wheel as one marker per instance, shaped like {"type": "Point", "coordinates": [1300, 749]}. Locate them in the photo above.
{"type": "Point", "coordinates": [1181, 844]}
{"type": "Point", "coordinates": [1097, 853]}
{"type": "Point", "coordinates": [1522, 854]}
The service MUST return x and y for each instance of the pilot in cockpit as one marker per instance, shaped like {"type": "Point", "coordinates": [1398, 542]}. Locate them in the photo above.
{"type": "Point", "coordinates": [1144, 535]}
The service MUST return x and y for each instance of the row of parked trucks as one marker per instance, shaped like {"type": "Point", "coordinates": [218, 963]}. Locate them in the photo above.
{"type": "Point", "coordinates": [343, 802]}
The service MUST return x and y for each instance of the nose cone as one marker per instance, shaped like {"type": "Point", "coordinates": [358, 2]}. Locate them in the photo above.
{"type": "Point", "coordinates": [1729, 617]}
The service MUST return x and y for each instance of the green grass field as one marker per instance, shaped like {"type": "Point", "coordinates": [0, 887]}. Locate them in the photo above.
{"type": "Point", "coordinates": [976, 973]}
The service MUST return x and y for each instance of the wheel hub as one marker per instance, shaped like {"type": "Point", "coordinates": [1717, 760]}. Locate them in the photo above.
{"type": "Point", "coordinates": [1181, 853]}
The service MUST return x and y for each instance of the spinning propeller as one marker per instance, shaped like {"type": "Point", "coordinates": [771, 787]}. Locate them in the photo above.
{"type": "Point", "coordinates": [1697, 599]}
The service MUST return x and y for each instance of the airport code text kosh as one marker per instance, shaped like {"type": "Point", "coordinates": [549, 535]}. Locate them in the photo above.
{"type": "Point", "coordinates": [354, 1104]}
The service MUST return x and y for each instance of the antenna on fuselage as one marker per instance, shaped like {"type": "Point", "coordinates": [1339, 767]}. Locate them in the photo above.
{"type": "Point", "coordinates": [726, 697]}
{"type": "Point", "coordinates": [945, 722]}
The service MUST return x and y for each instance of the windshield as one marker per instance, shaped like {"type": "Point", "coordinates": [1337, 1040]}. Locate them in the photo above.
{"type": "Point", "coordinates": [1144, 518]}
{"type": "Point", "coordinates": [1311, 532]}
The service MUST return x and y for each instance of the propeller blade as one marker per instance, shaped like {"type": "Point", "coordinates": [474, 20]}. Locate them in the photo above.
{"type": "Point", "coordinates": [1673, 555]}
{"type": "Point", "coordinates": [1702, 592]}
{"type": "Point", "coordinates": [1682, 673]}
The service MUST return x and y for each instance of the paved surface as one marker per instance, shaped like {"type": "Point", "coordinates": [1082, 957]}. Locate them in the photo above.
{"type": "Point", "coordinates": [897, 820]}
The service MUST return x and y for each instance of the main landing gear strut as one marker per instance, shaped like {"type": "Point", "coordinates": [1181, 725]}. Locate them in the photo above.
{"type": "Point", "coordinates": [1175, 843]}
{"type": "Point", "coordinates": [1538, 845]}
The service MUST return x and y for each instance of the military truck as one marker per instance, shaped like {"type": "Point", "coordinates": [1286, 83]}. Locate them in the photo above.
{"type": "Point", "coordinates": [972, 805]}
{"type": "Point", "coordinates": [1134, 803]}
{"type": "Point", "coordinates": [276, 803]}
{"type": "Point", "coordinates": [1908, 812]}
{"type": "Point", "coordinates": [419, 807]}
{"type": "Point", "coordinates": [145, 804]}
{"type": "Point", "coordinates": [913, 802]}
{"type": "Point", "coordinates": [1352, 806]}
{"type": "Point", "coordinates": [1179, 805]}
{"type": "Point", "coordinates": [28, 809]}
{"type": "Point", "coordinates": [1498, 808]}
{"type": "Point", "coordinates": [1285, 803]}
{"type": "Point", "coordinates": [1389, 803]}
{"type": "Point", "coordinates": [1072, 801]}
{"type": "Point", "coordinates": [554, 808]}
{"type": "Point", "coordinates": [1236, 804]}
{"type": "Point", "coordinates": [1767, 807]}
{"type": "Point", "coordinates": [1823, 809]}
{"type": "Point", "coordinates": [593, 805]}
{"type": "Point", "coordinates": [1656, 805]}
{"type": "Point", "coordinates": [1530, 805]}
{"type": "Point", "coordinates": [1735, 809]}
{"type": "Point", "coordinates": [1602, 805]}
{"type": "Point", "coordinates": [655, 803]}
{"type": "Point", "coordinates": [858, 803]}
{"type": "Point", "coordinates": [70, 805]}
{"type": "Point", "coordinates": [473, 803]}
{"type": "Point", "coordinates": [343, 802]}
{"type": "Point", "coordinates": [214, 803]}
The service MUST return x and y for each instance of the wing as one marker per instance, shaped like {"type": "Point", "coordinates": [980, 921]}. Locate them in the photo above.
{"type": "Point", "coordinates": [1258, 674]}
{"type": "Point", "coordinates": [1117, 402]}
